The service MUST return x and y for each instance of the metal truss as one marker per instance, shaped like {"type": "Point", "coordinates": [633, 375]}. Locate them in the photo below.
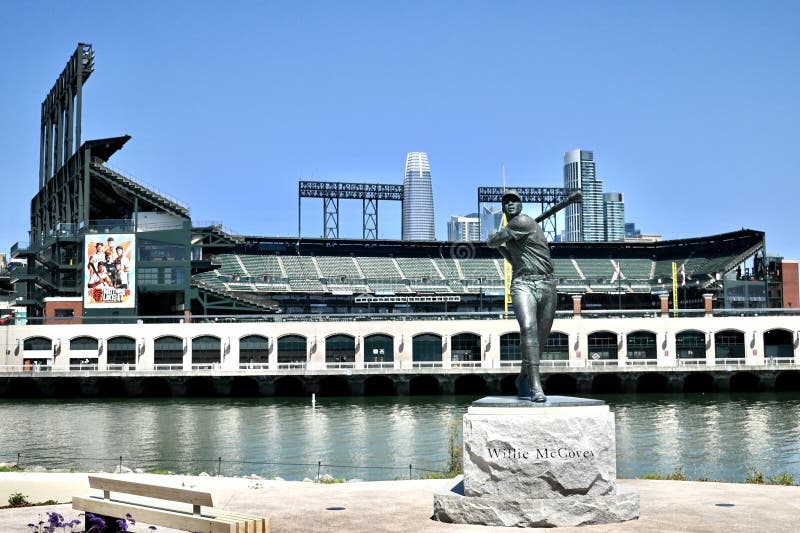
{"type": "Point", "coordinates": [332, 191]}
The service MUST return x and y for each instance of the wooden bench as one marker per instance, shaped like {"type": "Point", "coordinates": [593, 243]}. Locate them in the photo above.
{"type": "Point", "coordinates": [202, 517]}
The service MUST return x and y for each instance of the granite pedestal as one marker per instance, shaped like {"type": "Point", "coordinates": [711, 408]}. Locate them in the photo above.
{"type": "Point", "coordinates": [526, 464]}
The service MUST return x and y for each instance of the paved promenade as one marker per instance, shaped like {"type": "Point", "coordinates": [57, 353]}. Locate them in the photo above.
{"type": "Point", "coordinates": [406, 506]}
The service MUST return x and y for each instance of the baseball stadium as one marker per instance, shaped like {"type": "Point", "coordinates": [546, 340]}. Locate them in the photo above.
{"type": "Point", "coordinates": [116, 289]}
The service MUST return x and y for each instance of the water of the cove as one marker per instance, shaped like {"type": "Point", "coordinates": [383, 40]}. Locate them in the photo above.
{"type": "Point", "coordinates": [714, 436]}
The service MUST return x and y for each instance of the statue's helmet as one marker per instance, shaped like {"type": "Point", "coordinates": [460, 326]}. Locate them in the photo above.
{"type": "Point", "coordinates": [510, 194]}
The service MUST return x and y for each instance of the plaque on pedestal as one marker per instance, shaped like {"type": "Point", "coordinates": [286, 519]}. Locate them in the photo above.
{"type": "Point", "coordinates": [548, 464]}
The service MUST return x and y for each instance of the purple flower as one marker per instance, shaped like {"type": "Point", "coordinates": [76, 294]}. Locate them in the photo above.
{"type": "Point", "coordinates": [96, 524]}
{"type": "Point", "coordinates": [152, 528]}
{"type": "Point", "coordinates": [122, 525]}
{"type": "Point", "coordinates": [130, 519]}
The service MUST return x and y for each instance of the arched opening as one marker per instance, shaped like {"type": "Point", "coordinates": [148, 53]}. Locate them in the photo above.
{"type": "Point", "coordinates": [696, 382]}
{"type": "Point", "coordinates": [466, 348]}
{"type": "Point", "coordinates": [37, 351]}
{"type": "Point", "coordinates": [560, 384]}
{"type": "Point", "coordinates": [111, 387]}
{"type": "Point", "coordinates": [37, 344]}
{"type": "Point", "coordinates": [340, 349]}
{"type": "Point", "coordinates": [508, 385]}
{"type": "Point", "coordinates": [641, 345]}
{"type": "Point", "coordinates": [379, 386]}
{"type": "Point", "coordinates": [292, 350]}
{"type": "Point", "coordinates": [509, 349]}
{"type": "Point", "coordinates": [243, 386]}
{"type": "Point", "coordinates": [153, 387]}
{"type": "Point", "coordinates": [652, 383]}
{"type": "Point", "coordinates": [470, 384]}
{"type": "Point", "coordinates": [729, 344]}
{"type": "Point", "coordinates": [423, 386]}
{"type": "Point", "coordinates": [778, 343]}
{"type": "Point", "coordinates": [206, 351]}
{"type": "Point", "coordinates": [426, 348]}
{"type": "Point", "coordinates": [200, 387]}
{"type": "Point", "coordinates": [83, 343]}
{"type": "Point", "coordinates": [289, 386]}
{"type": "Point", "coordinates": [168, 352]}
{"type": "Point", "coordinates": [557, 347]}
{"type": "Point", "coordinates": [378, 349]}
{"type": "Point", "coordinates": [602, 346]}
{"type": "Point", "coordinates": [253, 351]}
{"type": "Point", "coordinates": [66, 388]}
{"type": "Point", "coordinates": [690, 345]}
{"type": "Point", "coordinates": [788, 381]}
{"type": "Point", "coordinates": [745, 382]}
{"type": "Point", "coordinates": [334, 386]}
{"type": "Point", "coordinates": [121, 351]}
{"type": "Point", "coordinates": [23, 388]}
{"type": "Point", "coordinates": [606, 384]}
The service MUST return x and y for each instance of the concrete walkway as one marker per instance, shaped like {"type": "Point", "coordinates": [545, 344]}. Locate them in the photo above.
{"type": "Point", "coordinates": [406, 506]}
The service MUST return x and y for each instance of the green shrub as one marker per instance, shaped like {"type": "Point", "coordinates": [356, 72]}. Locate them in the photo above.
{"type": "Point", "coordinates": [703, 478]}
{"type": "Point", "coordinates": [754, 476]}
{"type": "Point", "coordinates": [652, 475]}
{"type": "Point", "coordinates": [677, 475]}
{"type": "Point", "coordinates": [7, 468]}
{"type": "Point", "coordinates": [18, 499]}
{"type": "Point", "coordinates": [784, 478]}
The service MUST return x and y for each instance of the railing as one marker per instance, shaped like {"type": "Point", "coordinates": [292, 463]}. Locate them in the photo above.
{"type": "Point", "coordinates": [731, 361]}
{"type": "Point", "coordinates": [168, 366]}
{"type": "Point", "coordinates": [555, 363]}
{"type": "Point", "coordinates": [691, 362]}
{"type": "Point", "coordinates": [602, 362]}
{"type": "Point", "coordinates": [510, 363]}
{"type": "Point", "coordinates": [378, 364]}
{"type": "Point", "coordinates": [426, 364]}
{"type": "Point", "coordinates": [124, 367]}
{"type": "Point", "coordinates": [83, 368]}
{"type": "Point", "coordinates": [253, 366]}
{"type": "Point", "coordinates": [205, 366]}
{"type": "Point", "coordinates": [641, 362]}
{"type": "Point", "coordinates": [465, 364]}
{"type": "Point", "coordinates": [369, 317]}
{"type": "Point", "coordinates": [340, 364]}
{"type": "Point", "coordinates": [289, 366]}
{"type": "Point", "coordinates": [771, 361]}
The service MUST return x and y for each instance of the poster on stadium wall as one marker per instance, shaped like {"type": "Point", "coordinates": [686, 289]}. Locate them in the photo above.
{"type": "Point", "coordinates": [109, 276]}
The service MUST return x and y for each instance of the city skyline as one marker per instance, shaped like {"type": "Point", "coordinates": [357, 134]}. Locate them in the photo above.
{"type": "Point", "coordinates": [312, 91]}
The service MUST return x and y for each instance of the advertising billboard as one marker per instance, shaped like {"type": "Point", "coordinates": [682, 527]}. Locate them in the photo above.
{"type": "Point", "coordinates": [110, 273]}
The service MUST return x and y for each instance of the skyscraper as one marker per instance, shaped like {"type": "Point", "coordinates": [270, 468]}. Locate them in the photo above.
{"type": "Point", "coordinates": [583, 221]}
{"type": "Point", "coordinates": [466, 228]}
{"type": "Point", "coordinates": [614, 208]}
{"type": "Point", "coordinates": [418, 199]}
{"type": "Point", "coordinates": [491, 219]}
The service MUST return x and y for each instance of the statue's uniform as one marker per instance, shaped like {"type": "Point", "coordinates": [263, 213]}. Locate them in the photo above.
{"type": "Point", "coordinates": [533, 289]}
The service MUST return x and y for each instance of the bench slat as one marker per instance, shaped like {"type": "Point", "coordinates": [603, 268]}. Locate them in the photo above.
{"type": "Point", "coordinates": [151, 515]}
{"type": "Point", "coordinates": [176, 494]}
{"type": "Point", "coordinates": [254, 524]}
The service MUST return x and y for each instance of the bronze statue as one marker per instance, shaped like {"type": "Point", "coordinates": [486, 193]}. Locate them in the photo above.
{"type": "Point", "coordinates": [533, 288]}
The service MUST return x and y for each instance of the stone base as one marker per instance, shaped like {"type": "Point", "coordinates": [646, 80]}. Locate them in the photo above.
{"type": "Point", "coordinates": [454, 507]}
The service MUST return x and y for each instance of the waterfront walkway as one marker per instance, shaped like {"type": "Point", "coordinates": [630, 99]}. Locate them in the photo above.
{"type": "Point", "coordinates": [404, 506]}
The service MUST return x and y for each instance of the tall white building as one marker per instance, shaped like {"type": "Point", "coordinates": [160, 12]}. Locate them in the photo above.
{"type": "Point", "coordinates": [466, 228]}
{"type": "Point", "coordinates": [418, 199]}
{"type": "Point", "coordinates": [614, 209]}
{"type": "Point", "coordinates": [583, 221]}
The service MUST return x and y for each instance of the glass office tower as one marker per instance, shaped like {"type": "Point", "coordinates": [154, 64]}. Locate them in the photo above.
{"type": "Point", "coordinates": [418, 199]}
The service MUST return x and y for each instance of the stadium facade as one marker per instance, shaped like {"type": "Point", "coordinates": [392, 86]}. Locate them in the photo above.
{"type": "Point", "coordinates": [417, 211]}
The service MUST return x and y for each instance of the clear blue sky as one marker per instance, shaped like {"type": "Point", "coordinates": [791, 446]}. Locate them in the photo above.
{"type": "Point", "coordinates": [691, 107]}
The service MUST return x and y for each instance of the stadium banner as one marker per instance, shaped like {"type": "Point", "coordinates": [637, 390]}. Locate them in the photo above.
{"type": "Point", "coordinates": [109, 276]}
